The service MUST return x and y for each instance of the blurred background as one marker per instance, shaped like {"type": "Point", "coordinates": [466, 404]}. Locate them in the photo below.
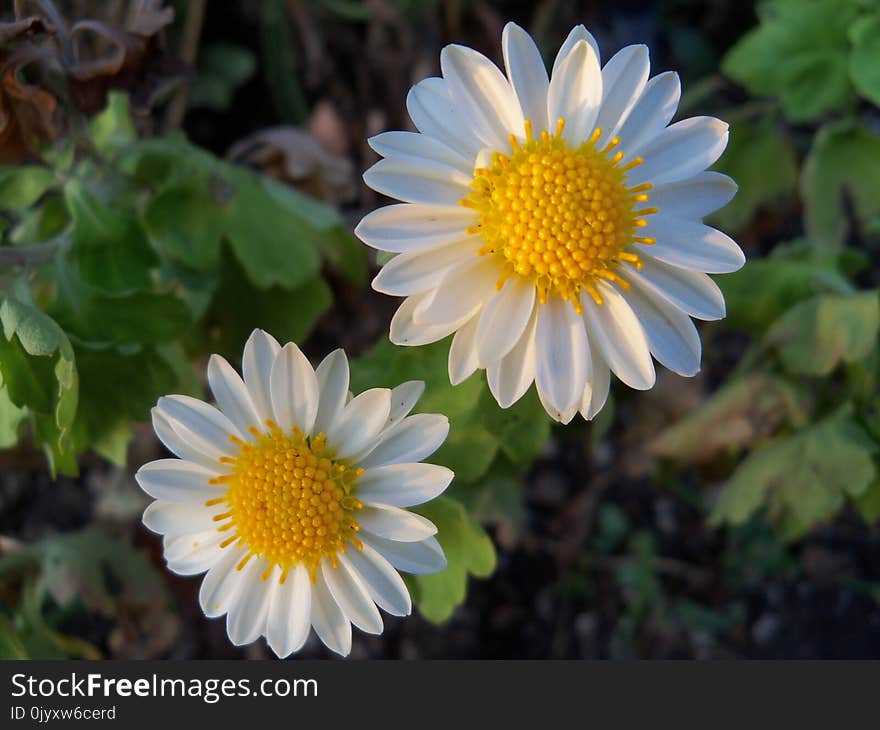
{"type": "Point", "coordinates": [731, 515]}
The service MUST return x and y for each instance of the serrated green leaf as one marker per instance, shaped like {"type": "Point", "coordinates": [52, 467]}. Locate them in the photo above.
{"type": "Point", "coordinates": [469, 551]}
{"type": "Point", "coordinates": [22, 186]}
{"type": "Point", "coordinates": [864, 68]}
{"type": "Point", "coordinates": [802, 479]}
{"type": "Point", "coordinates": [815, 336]}
{"type": "Point", "coordinates": [842, 170]}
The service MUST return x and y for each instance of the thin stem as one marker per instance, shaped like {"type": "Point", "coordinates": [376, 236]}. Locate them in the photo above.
{"type": "Point", "coordinates": [189, 49]}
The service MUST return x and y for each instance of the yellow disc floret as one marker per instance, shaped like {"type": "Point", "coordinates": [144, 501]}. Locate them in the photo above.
{"type": "Point", "coordinates": [288, 500]}
{"type": "Point", "coordinates": [560, 216]}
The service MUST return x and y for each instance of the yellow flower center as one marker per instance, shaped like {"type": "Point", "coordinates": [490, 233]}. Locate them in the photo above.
{"type": "Point", "coordinates": [560, 216]}
{"type": "Point", "coordinates": [288, 500]}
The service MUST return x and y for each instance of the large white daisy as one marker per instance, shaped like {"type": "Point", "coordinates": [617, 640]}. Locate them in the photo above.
{"type": "Point", "coordinates": [291, 494]}
{"type": "Point", "coordinates": [553, 223]}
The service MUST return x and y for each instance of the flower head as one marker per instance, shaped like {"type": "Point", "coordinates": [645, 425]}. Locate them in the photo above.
{"type": "Point", "coordinates": [291, 496]}
{"type": "Point", "coordinates": [552, 222]}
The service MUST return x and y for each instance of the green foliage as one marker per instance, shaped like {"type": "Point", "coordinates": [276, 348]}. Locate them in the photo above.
{"type": "Point", "coordinates": [132, 256]}
{"type": "Point", "coordinates": [222, 69]}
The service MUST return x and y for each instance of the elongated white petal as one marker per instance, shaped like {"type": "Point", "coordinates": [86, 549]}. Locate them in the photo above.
{"type": "Point", "coordinates": [681, 150]}
{"type": "Point", "coordinates": [691, 291]}
{"type": "Point", "coordinates": [352, 596]}
{"type": "Point", "coordinates": [419, 271]}
{"type": "Point", "coordinates": [691, 245]}
{"type": "Point", "coordinates": [178, 445]}
{"type": "Point", "coordinates": [405, 331]}
{"type": "Point", "coordinates": [619, 336]}
{"type": "Point", "coordinates": [623, 80]}
{"type": "Point", "coordinates": [510, 377]}
{"type": "Point", "coordinates": [394, 523]}
{"type": "Point", "coordinates": [403, 399]}
{"type": "Point", "coordinates": [463, 361]}
{"type": "Point", "coordinates": [413, 144]}
{"type": "Point", "coordinates": [203, 426]}
{"type": "Point", "coordinates": [575, 93]}
{"type": "Point", "coordinates": [596, 392]}
{"type": "Point", "coordinates": [178, 481]}
{"type": "Point", "coordinates": [221, 585]}
{"type": "Point", "coordinates": [650, 114]}
{"type": "Point", "coordinates": [256, 365]}
{"type": "Point", "coordinates": [462, 289]}
{"type": "Point", "coordinates": [179, 518]}
{"type": "Point", "coordinates": [193, 553]}
{"type": "Point", "coordinates": [410, 227]}
{"type": "Point", "coordinates": [671, 334]}
{"type": "Point", "coordinates": [294, 390]}
{"type": "Point", "coordinates": [433, 113]}
{"type": "Point", "coordinates": [578, 33]}
{"type": "Point", "coordinates": [332, 376]}
{"type": "Point", "coordinates": [481, 95]}
{"type": "Point", "coordinates": [527, 74]}
{"type": "Point", "coordinates": [694, 197]}
{"type": "Point", "coordinates": [413, 439]}
{"type": "Point", "coordinates": [419, 558]}
{"type": "Point", "coordinates": [246, 619]}
{"type": "Point", "coordinates": [360, 422]}
{"type": "Point", "coordinates": [289, 619]}
{"type": "Point", "coordinates": [403, 485]}
{"type": "Point", "coordinates": [562, 358]}
{"type": "Point", "coordinates": [503, 320]}
{"type": "Point", "coordinates": [384, 583]}
{"type": "Point", "coordinates": [418, 181]}
{"type": "Point", "coordinates": [331, 624]}
{"type": "Point", "coordinates": [232, 395]}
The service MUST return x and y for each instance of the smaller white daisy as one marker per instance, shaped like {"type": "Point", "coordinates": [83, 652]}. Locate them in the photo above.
{"type": "Point", "coordinates": [291, 496]}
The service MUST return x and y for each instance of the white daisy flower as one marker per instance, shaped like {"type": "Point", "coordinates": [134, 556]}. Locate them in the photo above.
{"type": "Point", "coordinates": [291, 494]}
{"type": "Point", "coordinates": [553, 223]}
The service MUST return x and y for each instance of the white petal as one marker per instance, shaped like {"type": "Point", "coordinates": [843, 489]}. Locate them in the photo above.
{"type": "Point", "coordinates": [221, 585]}
{"type": "Point", "coordinates": [331, 624]}
{"type": "Point", "coordinates": [289, 619]}
{"type": "Point", "coordinates": [684, 149]}
{"type": "Point", "coordinates": [409, 227]}
{"type": "Point", "coordinates": [246, 618]}
{"type": "Point", "coordinates": [194, 553]}
{"type": "Point", "coordinates": [503, 320]}
{"type": "Point", "coordinates": [175, 480]}
{"type": "Point", "coordinates": [690, 291]}
{"type": "Point", "coordinates": [178, 445]}
{"type": "Point", "coordinates": [403, 485]}
{"type": "Point", "coordinates": [203, 426]}
{"type": "Point", "coordinates": [413, 439]}
{"type": "Point", "coordinates": [481, 94]}
{"type": "Point", "coordinates": [578, 33]}
{"type": "Point", "coordinates": [256, 365]}
{"type": "Point", "coordinates": [695, 196]}
{"type": "Point", "coordinates": [433, 113]}
{"type": "Point", "coordinates": [671, 334]}
{"type": "Point", "coordinates": [394, 523]}
{"type": "Point", "coordinates": [384, 583]}
{"type": "Point", "coordinates": [419, 558]}
{"type": "Point", "coordinates": [360, 422]}
{"type": "Point", "coordinates": [596, 392]}
{"type": "Point", "coordinates": [463, 288]}
{"type": "Point", "coordinates": [179, 518]}
{"type": "Point", "coordinates": [419, 271]}
{"type": "Point", "coordinates": [403, 399]}
{"type": "Point", "coordinates": [405, 331]}
{"type": "Point", "coordinates": [619, 335]}
{"type": "Point", "coordinates": [651, 113]}
{"type": "Point", "coordinates": [413, 144]}
{"type": "Point", "coordinates": [462, 361]}
{"type": "Point", "coordinates": [623, 80]}
{"type": "Point", "coordinates": [232, 395]}
{"type": "Point", "coordinates": [510, 377]}
{"type": "Point", "coordinates": [527, 74]}
{"type": "Point", "coordinates": [352, 596]}
{"type": "Point", "coordinates": [575, 93]}
{"type": "Point", "coordinates": [332, 377]}
{"type": "Point", "coordinates": [691, 245]}
{"type": "Point", "coordinates": [418, 181]}
{"type": "Point", "coordinates": [294, 389]}
{"type": "Point", "coordinates": [562, 358]}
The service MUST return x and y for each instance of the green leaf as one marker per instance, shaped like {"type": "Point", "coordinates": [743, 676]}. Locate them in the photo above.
{"type": "Point", "coordinates": [39, 372]}
{"type": "Point", "coordinates": [468, 550]}
{"type": "Point", "coordinates": [760, 184]}
{"type": "Point", "coordinates": [11, 419]}
{"type": "Point", "coordinates": [112, 129]}
{"type": "Point", "coordinates": [842, 170]}
{"type": "Point", "coordinates": [223, 67]}
{"type": "Point", "coordinates": [41, 223]}
{"type": "Point", "coordinates": [799, 53]}
{"type": "Point", "coordinates": [11, 646]}
{"type": "Point", "coordinates": [22, 186]}
{"type": "Point", "coordinates": [802, 479]}
{"type": "Point", "coordinates": [738, 415]}
{"type": "Point", "coordinates": [813, 337]}
{"type": "Point", "coordinates": [868, 503]}
{"type": "Point", "coordinates": [864, 68]}
{"type": "Point", "coordinates": [497, 499]}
